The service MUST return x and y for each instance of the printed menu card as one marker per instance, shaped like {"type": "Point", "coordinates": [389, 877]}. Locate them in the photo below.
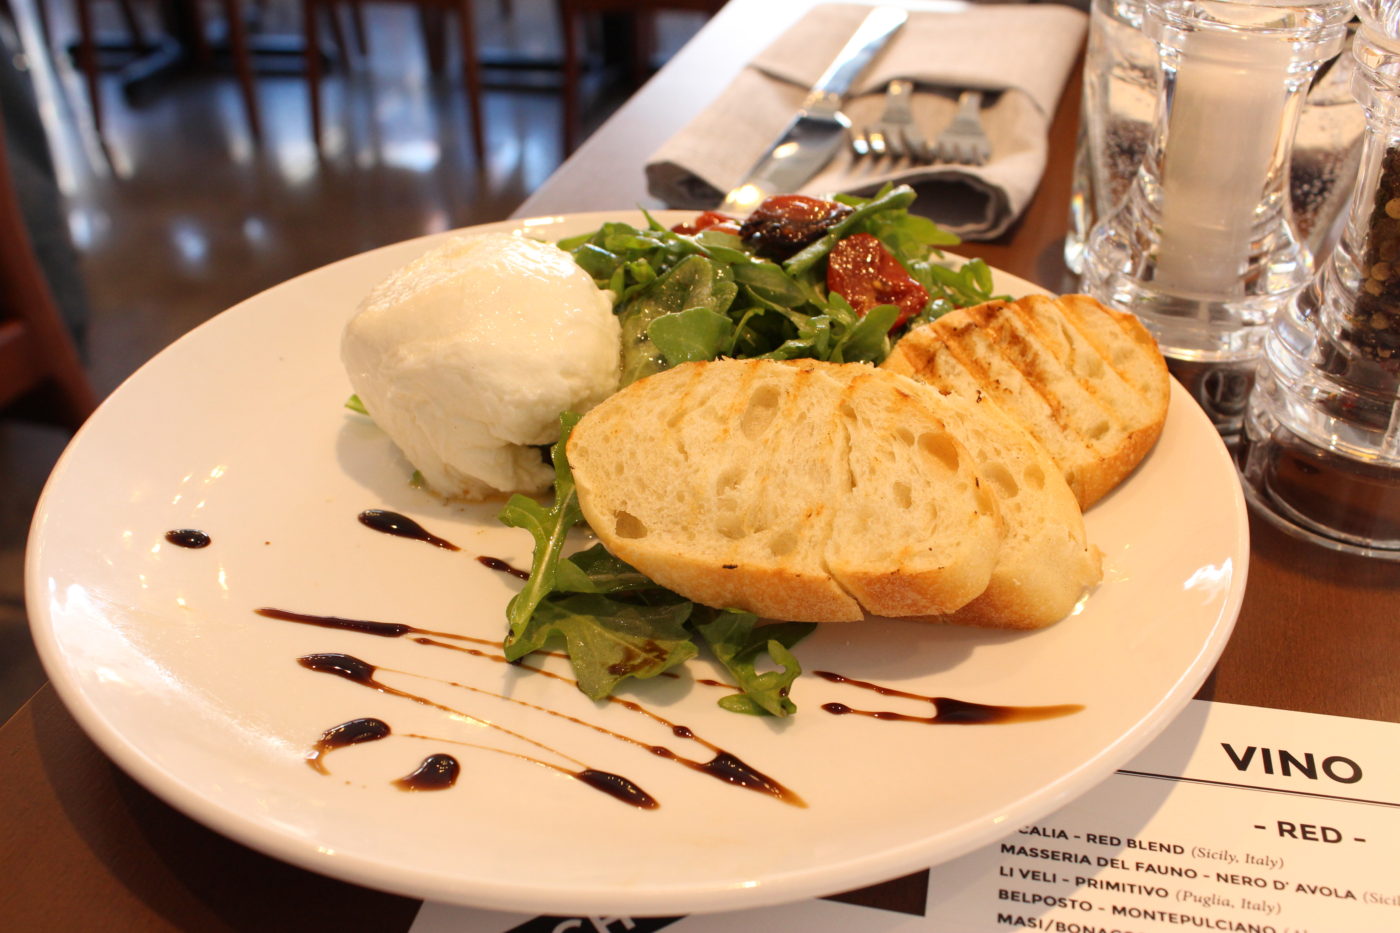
{"type": "Point", "coordinates": [1236, 818]}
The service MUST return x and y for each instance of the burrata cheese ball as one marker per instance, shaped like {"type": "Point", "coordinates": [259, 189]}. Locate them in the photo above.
{"type": "Point", "coordinates": [466, 357]}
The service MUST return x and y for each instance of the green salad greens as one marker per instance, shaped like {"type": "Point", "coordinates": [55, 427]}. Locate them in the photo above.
{"type": "Point", "coordinates": [681, 297]}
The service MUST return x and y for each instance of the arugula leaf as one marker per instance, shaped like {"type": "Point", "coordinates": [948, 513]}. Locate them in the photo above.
{"type": "Point", "coordinates": [549, 528]}
{"type": "Point", "coordinates": [596, 571]}
{"type": "Point", "coordinates": [609, 641]}
{"type": "Point", "coordinates": [692, 334]}
{"type": "Point", "coordinates": [867, 341]}
{"type": "Point", "coordinates": [737, 641]}
{"type": "Point", "coordinates": [694, 282]}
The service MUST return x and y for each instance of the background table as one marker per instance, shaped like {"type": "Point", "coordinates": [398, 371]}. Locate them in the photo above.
{"type": "Point", "coordinates": [82, 847]}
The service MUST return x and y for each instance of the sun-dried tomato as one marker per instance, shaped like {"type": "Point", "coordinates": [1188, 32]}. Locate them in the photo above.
{"type": "Point", "coordinates": [706, 221]}
{"type": "Point", "coordinates": [865, 273]}
{"type": "Point", "coordinates": [783, 224]}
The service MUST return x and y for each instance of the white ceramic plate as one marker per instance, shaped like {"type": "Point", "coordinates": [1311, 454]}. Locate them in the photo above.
{"type": "Point", "coordinates": [238, 430]}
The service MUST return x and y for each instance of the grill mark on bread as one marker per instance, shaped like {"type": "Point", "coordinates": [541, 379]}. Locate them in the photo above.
{"type": "Point", "coordinates": [1105, 383]}
{"type": "Point", "coordinates": [1029, 359]}
{"type": "Point", "coordinates": [1086, 381]}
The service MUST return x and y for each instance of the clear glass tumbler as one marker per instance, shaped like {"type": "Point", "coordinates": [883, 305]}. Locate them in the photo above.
{"type": "Point", "coordinates": [1322, 455]}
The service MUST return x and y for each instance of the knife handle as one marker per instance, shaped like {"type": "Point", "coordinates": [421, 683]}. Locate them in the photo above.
{"type": "Point", "coordinates": [877, 27]}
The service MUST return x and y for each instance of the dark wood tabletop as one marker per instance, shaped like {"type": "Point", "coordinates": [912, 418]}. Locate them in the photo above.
{"type": "Point", "coordinates": [83, 847]}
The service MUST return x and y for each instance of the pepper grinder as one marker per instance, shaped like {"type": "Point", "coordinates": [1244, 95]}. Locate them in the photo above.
{"type": "Point", "coordinates": [1322, 430]}
{"type": "Point", "coordinates": [1203, 248]}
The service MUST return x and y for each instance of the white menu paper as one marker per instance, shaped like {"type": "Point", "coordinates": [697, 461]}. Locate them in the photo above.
{"type": "Point", "coordinates": [1237, 818]}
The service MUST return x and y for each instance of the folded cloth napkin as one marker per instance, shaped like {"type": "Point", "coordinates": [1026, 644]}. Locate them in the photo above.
{"type": "Point", "coordinates": [1022, 53]}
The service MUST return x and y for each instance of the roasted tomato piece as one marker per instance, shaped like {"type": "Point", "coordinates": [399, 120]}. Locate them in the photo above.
{"type": "Point", "coordinates": [866, 274]}
{"type": "Point", "coordinates": [783, 224]}
{"type": "Point", "coordinates": [707, 220]}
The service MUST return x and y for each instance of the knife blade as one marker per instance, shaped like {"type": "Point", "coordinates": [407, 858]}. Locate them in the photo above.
{"type": "Point", "coordinates": [817, 132]}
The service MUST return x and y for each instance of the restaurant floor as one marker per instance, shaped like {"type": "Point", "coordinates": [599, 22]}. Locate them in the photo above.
{"type": "Point", "coordinates": [177, 213]}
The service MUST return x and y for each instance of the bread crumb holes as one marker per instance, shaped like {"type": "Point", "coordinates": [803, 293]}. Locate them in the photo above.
{"type": "Point", "coordinates": [761, 410]}
{"type": "Point", "coordinates": [941, 447]}
{"type": "Point", "coordinates": [903, 495]}
{"type": "Point", "coordinates": [1000, 477]}
{"type": "Point", "coordinates": [627, 525]}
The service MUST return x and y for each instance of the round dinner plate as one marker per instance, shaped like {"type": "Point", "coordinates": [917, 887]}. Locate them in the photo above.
{"type": "Point", "coordinates": [239, 430]}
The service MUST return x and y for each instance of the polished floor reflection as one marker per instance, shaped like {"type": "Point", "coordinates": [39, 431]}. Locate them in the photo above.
{"type": "Point", "coordinates": [178, 213]}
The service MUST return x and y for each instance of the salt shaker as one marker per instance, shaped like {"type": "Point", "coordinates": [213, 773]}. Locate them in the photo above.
{"type": "Point", "coordinates": [1322, 455]}
{"type": "Point", "coordinates": [1203, 248]}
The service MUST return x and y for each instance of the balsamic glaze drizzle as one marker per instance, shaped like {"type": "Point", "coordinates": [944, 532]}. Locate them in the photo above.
{"type": "Point", "coordinates": [614, 785]}
{"type": "Point", "coordinates": [437, 772]}
{"type": "Point", "coordinates": [353, 732]}
{"type": "Point", "coordinates": [723, 765]}
{"type": "Point", "coordinates": [441, 771]}
{"type": "Point", "coordinates": [947, 711]}
{"type": "Point", "coordinates": [495, 563]}
{"type": "Point", "coordinates": [188, 537]}
{"type": "Point", "coordinates": [362, 672]}
{"type": "Point", "coordinates": [392, 523]}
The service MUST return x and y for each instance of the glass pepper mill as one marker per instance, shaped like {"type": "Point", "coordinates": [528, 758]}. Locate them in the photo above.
{"type": "Point", "coordinates": [1203, 248]}
{"type": "Point", "coordinates": [1322, 454]}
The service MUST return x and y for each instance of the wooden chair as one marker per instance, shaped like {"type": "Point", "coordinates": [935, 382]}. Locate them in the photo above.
{"type": "Point", "coordinates": [41, 375]}
{"type": "Point", "coordinates": [312, 11]}
{"type": "Point", "coordinates": [642, 12]}
{"type": "Point", "coordinates": [238, 46]}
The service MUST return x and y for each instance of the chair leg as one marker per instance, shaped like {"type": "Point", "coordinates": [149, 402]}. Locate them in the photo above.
{"type": "Point", "coordinates": [34, 339]}
{"type": "Point", "coordinates": [87, 60]}
{"type": "Point", "coordinates": [238, 41]}
{"type": "Point", "coordinates": [472, 73]}
{"type": "Point", "coordinates": [337, 31]}
{"type": "Point", "coordinates": [310, 9]}
{"type": "Point", "coordinates": [203, 53]}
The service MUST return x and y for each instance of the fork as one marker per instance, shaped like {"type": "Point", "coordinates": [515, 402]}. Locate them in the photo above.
{"type": "Point", "coordinates": [895, 135]}
{"type": "Point", "coordinates": [965, 140]}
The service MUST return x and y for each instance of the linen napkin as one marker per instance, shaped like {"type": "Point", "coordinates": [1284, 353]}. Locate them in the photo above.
{"type": "Point", "coordinates": [1021, 54]}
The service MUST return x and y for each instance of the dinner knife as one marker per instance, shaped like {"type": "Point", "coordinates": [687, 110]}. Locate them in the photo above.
{"type": "Point", "coordinates": [819, 129]}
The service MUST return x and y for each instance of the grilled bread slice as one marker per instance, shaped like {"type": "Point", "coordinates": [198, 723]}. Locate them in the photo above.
{"type": "Point", "coordinates": [1086, 381]}
{"type": "Point", "coordinates": [797, 490]}
{"type": "Point", "coordinates": [1046, 563]}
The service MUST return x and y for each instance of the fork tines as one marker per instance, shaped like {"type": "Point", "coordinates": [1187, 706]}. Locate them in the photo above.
{"type": "Point", "coordinates": [895, 135]}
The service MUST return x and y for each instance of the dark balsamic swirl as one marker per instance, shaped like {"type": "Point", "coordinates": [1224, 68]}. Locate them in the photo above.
{"type": "Point", "coordinates": [401, 526]}
{"type": "Point", "coordinates": [947, 711]}
{"type": "Point", "coordinates": [188, 538]}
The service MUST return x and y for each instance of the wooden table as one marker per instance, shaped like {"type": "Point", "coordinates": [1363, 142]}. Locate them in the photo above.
{"type": "Point", "coordinates": [83, 847]}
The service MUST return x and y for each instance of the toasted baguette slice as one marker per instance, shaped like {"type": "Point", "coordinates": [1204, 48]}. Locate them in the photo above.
{"type": "Point", "coordinates": [1086, 381]}
{"type": "Point", "coordinates": [1046, 563]}
{"type": "Point", "coordinates": [802, 491]}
